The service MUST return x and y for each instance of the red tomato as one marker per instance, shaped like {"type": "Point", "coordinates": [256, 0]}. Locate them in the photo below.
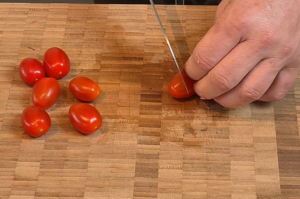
{"type": "Point", "coordinates": [46, 92]}
{"type": "Point", "coordinates": [85, 118]}
{"type": "Point", "coordinates": [35, 121]}
{"type": "Point", "coordinates": [84, 89]}
{"type": "Point", "coordinates": [56, 63]}
{"type": "Point", "coordinates": [31, 70]}
{"type": "Point", "coordinates": [177, 88]}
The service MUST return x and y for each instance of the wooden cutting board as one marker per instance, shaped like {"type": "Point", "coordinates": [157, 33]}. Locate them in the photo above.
{"type": "Point", "coordinates": [150, 145]}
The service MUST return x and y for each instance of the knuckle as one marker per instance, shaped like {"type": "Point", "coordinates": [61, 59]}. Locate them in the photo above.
{"type": "Point", "coordinates": [240, 22]}
{"type": "Point", "coordinates": [288, 50]}
{"type": "Point", "coordinates": [280, 93]}
{"type": "Point", "coordinates": [222, 81]}
{"type": "Point", "coordinates": [250, 94]}
{"type": "Point", "coordinates": [267, 38]}
{"type": "Point", "coordinates": [204, 61]}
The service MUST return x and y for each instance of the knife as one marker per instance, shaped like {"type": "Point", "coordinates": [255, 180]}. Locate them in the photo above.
{"type": "Point", "coordinates": [169, 45]}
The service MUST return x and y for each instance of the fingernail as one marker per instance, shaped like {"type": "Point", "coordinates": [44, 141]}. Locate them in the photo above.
{"type": "Point", "coordinates": [202, 98]}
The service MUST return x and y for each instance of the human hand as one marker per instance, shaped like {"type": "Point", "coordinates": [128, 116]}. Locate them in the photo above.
{"type": "Point", "coordinates": [252, 52]}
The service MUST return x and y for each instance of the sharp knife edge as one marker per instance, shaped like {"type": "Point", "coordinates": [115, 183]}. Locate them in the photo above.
{"type": "Point", "coordinates": [168, 42]}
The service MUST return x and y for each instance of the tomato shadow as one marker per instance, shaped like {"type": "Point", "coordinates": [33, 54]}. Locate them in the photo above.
{"type": "Point", "coordinates": [192, 98]}
{"type": "Point", "coordinates": [50, 133]}
{"type": "Point", "coordinates": [210, 104]}
{"type": "Point", "coordinates": [91, 135]}
{"type": "Point", "coordinates": [216, 107]}
{"type": "Point", "coordinates": [262, 104]}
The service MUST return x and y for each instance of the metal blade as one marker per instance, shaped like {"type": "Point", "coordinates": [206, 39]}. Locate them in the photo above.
{"type": "Point", "coordinates": [168, 42]}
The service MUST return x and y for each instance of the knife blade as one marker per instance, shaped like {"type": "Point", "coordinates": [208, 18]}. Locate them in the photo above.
{"type": "Point", "coordinates": [168, 43]}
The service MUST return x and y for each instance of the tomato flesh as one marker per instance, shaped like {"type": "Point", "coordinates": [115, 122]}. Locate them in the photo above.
{"type": "Point", "coordinates": [85, 118]}
{"type": "Point", "coordinates": [56, 63]}
{"type": "Point", "coordinates": [46, 92]}
{"type": "Point", "coordinates": [31, 70]}
{"type": "Point", "coordinates": [84, 89]}
{"type": "Point", "coordinates": [177, 89]}
{"type": "Point", "coordinates": [35, 121]}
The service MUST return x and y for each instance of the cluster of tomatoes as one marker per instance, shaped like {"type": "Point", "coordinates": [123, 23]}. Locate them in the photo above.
{"type": "Point", "coordinates": [44, 77]}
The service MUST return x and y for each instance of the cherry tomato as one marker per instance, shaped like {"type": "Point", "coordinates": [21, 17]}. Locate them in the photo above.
{"type": "Point", "coordinates": [85, 118]}
{"type": "Point", "coordinates": [56, 63]}
{"type": "Point", "coordinates": [84, 89]}
{"type": "Point", "coordinates": [35, 121]}
{"type": "Point", "coordinates": [31, 70]}
{"type": "Point", "coordinates": [177, 89]}
{"type": "Point", "coordinates": [46, 92]}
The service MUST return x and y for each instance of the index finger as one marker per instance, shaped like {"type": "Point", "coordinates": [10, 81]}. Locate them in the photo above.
{"type": "Point", "coordinates": [214, 46]}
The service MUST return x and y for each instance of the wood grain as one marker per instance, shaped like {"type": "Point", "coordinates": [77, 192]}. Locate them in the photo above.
{"type": "Point", "coordinates": [150, 145]}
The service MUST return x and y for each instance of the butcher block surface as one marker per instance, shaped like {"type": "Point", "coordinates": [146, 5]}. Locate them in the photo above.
{"type": "Point", "coordinates": [150, 145]}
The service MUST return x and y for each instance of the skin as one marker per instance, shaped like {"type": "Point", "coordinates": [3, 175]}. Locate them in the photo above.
{"type": "Point", "coordinates": [252, 52]}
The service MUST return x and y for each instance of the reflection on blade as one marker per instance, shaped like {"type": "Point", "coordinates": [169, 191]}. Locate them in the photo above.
{"type": "Point", "coordinates": [169, 45]}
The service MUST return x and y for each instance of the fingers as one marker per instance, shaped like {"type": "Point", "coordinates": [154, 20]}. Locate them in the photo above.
{"type": "Point", "coordinates": [214, 46]}
{"type": "Point", "coordinates": [232, 62]}
{"type": "Point", "coordinates": [253, 86]}
{"type": "Point", "coordinates": [283, 82]}
{"type": "Point", "coordinates": [230, 71]}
